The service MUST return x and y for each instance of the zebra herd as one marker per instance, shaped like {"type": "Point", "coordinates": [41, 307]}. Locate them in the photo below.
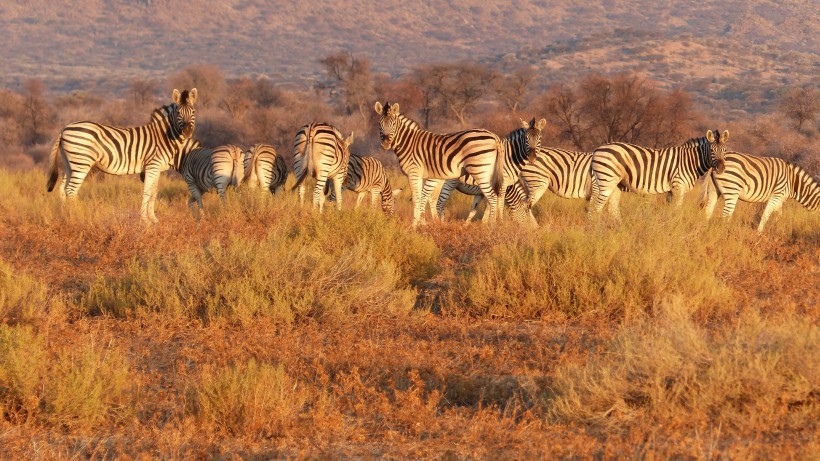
{"type": "Point", "coordinates": [513, 171]}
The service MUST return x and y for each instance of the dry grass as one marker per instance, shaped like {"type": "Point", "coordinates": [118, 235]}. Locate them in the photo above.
{"type": "Point", "coordinates": [265, 330]}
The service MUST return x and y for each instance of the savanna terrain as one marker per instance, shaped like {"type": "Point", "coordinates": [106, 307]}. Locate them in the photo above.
{"type": "Point", "coordinates": [265, 330]}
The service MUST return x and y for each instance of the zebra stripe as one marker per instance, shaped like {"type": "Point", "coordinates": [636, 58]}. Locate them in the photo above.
{"type": "Point", "coordinates": [320, 151]}
{"type": "Point", "coordinates": [652, 171]}
{"type": "Point", "coordinates": [366, 174]}
{"type": "Point", "coordinates": [565, 173]}
{"type": "Point", "coordinates": [148, 150]}
{"type": "Point", "coordinates": [519, 146]}
{"type": "Point", "coordinates": [759, 179]}
{"type": "Point", "coordinates": [217, 168]}
{"type": "Point", "coordinates": [425, 155]}
{"type": "Point", "coordinates": [264, 168]}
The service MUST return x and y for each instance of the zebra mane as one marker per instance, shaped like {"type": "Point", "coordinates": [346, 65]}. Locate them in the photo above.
{"type": "Point", "coordinates": [409, 122]}
{"type": "Point", "coordinates": [163, 112]}
{"type": "Point", "coordinates": [695, 141]}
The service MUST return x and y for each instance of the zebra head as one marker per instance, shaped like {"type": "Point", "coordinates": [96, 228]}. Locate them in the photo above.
{"type": "Point", "coordinates": [717, 149]}
{"type": "Point", "coordinates": [185, 114]}
{"type": "Point", "coordinates": [388, 123]}
{"type": "Point", "coordinates": [533, 136]}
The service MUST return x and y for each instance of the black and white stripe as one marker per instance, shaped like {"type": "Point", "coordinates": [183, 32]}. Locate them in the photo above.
{"type": "Point", "coordinates": [320, 151]}
{"type": "Point", "coordinates": [366, 175]}
{"type": "Point", "coordinates": [519, 146]}
{"type": "Point", "coordinates": [759, 179]}
{"type": "Point", "coordinates": [205, 169]}
{"type": "Point", "coordinates": [515, 198]}
{"type": "Point", "coordinates": [565, 173]}
{"type": "Point", "coordinates": [425, 155]}
{"type": "Point", "coordinates": [147, 150]}
{"type": "Point", "coordinates": [652, 171]}
{"type": "Point", "coordinates": [265, 168]}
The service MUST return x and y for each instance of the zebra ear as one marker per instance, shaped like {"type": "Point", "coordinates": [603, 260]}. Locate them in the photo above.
{"type": "Point", "coordinates": [379, 108]}
{"type": "Point", "coordinates": [349, 139]}
{"type": "Point", "coordinates": [192, 96]}
{"type": "Point", "coordinates": [541, 124]}
{"type": "Point", "coordinates": [524, 124]}
{"type": "Point", "coordinates": [710, 136]}
{"type": "Point", "coordinates": [394, 109]}
{"type": "Point", "coordinates": [175, 96]}
{"type": "Point", "coordinates": [725, 136]}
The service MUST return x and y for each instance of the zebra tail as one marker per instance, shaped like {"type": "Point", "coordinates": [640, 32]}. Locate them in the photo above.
{"type": "Point", "coordinates": [238, 175]}
{"type": "Point", "coordinates": [498, 175]}
{"type": "Point", "coordinates": [307, 162]}
{"type": "Point", "coordinates": [250, 172]}
{"type": "Point", "coordinates": [52, 164]}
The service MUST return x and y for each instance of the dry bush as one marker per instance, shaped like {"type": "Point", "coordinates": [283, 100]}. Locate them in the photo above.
{"type": "Point", "coordinates": [670, 370]}
{"type": "Point", "coordinates": [22, 298]}
{"type": "Point", "coordinates": [254, 399]}
{"type": "Point", "coordinates": [22, 365]}
{"type": "Point", "coordinates": [330, 266]}
{"type": "Point", "coordinates": [590, 269]}
{"type": "Point", "coordinates": [86, 385]}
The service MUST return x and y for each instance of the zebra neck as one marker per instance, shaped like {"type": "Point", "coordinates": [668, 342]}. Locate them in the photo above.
{"type": "Point", "coordinates": [406, 130]}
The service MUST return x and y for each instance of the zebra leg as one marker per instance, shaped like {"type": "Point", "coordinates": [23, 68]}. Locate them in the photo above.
{"type": "Point", "coordinates": [773, 205]}
{"type": "Point", "coordinates": [614, 208]}
{"type": "Point", "coordinates": [302, 194]}
{"type": "Point", "coordinates": [599, 196]}
{"type": "Point", "coordinates": [729, 204]}
{"type": "Point", "coordinates": [359, 198]}
{"type": "Point", "coordinates": [428, 187]}
{"type": "Point", "coordinates": [337, 187]}
{"type": "Point", "coordinates": [444, 196]}
{"type": "Point", "coordinates": [710, 202]}
{"type": "Point", "coordinates": [492, 200]}
{"type": "Point", "coordinates": [416, 184]}
{"type": "Point", "coordinates": [318, 193]}
{"type": "Point", "coordinates": [149, 195]}
{"type": "Point", "coordinates": [474, 209]}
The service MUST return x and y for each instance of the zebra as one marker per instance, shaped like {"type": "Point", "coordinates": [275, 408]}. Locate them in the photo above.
{"type": "Point", "coordinates": [426, 155]}
{"type": "Point", "coordinates": [652, 171]}
{"type": "Point", "coordinates": [366, 174]}
{"type": "Point", "coordinates": [320, 151]}
{"type": "Point", "coordinates": [518, 146]}
{"type": "Point", "coordinates": [759, 179]}
{"type": "Point", "coordinates": [265, 168]}
{"type": "Point", "coordinates": [148, 150]}
{"type": "Point", "coordinates": [204, 169]}
{"type": "Point", "coordinates": [566, 173]}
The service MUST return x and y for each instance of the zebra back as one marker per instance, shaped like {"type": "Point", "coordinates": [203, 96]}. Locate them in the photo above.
{"type": "Point", "coordinates": [566, 173]}
{"type": "Point", "coordinates": [209, 168]}
{"type": "Point", "coordinates": [320, 149]}
{"type": "Point", "coordinates": [264, 168]}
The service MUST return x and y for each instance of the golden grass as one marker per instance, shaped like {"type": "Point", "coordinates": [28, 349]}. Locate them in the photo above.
{"type": "Point", "coordinates": [266, 330]}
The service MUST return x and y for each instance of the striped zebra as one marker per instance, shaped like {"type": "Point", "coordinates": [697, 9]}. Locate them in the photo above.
{"type": "Point", "coordinates": [204, 169]}
{"type": "Point", "coordinates": [759, 179]}
{"type": "Point", "coordinates": [366, 175]}
{"type": "Point", "coordinates": [264, 168]}
{"type": "Point", "coordinates": [519, 146]}
{"type": "Point", "coordinates": [425, 155]}
{"type": "Point", "coordinates": [320, 151]}
{"type": "Point", "coordinates": [148, 150]}
{"type": "Point", "coordinates": [565, 173]}
{"type": "Point", "coordinates": [652, 171]}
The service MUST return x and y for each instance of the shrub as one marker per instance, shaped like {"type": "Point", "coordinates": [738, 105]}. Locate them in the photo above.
{"type": "Point", "coordinates": [334, 265]}
{"type": "Point", "coordinates": [252, 399]}
{"type": "Point", "coordinates": [752, 375]}
{"type": "Point", "coordinates": [22, 364]}
{"type": "Point", "coordinates": [21, 297]}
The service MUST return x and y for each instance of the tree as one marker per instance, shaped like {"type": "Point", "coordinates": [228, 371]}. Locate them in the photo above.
{"type": "Point", "coordinates": [206, 78]}
{"type": "Point", "coordinates": [462, 85]}
{"type": "Point", "coordinates": [801, 105]}
{"type": "Point", "coordinates": [36, 114]}
{"type": "Point", "coordinates": [512, 88]}
{"type": "Point", "coordinates": [143, 92]}
{"type": "Point", "coordinates": [352, 79]}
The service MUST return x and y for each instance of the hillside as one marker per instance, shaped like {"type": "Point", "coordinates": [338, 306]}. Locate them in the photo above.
{"type": "Point", "coordinates": [96, 44]}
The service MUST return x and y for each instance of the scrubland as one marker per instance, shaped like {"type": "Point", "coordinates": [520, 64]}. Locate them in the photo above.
{"type": "Point", "coordinates": [265, 330]}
